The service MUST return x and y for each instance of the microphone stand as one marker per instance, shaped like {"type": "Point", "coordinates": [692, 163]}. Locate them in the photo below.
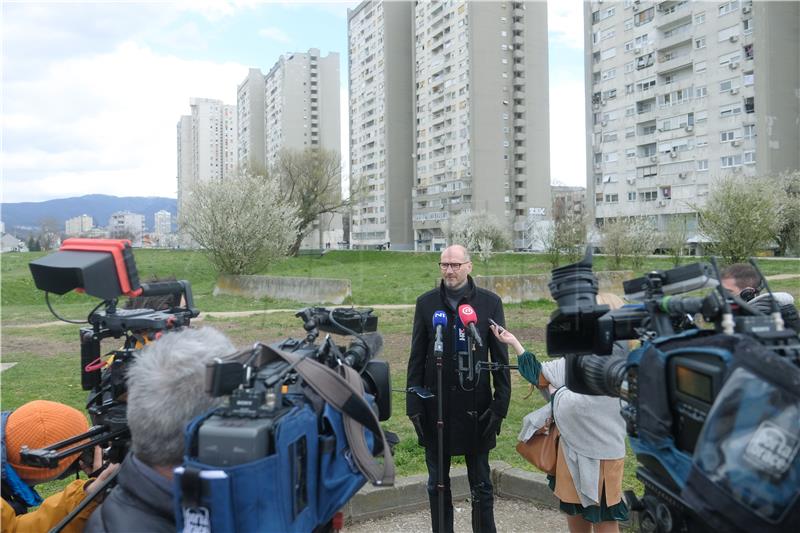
{"type": "Point", "coordinates": [471, 377]}
{"type": "Point", "coordinates": [438, 351]}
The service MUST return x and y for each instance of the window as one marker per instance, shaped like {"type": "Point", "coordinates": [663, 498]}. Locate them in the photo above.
{"type": "Point", "coordinates": [628, 24]}
{"type": "Point", "coordinates": [701, 140]}
{"type": "Point", "coordinates": [629, 46]}
{"type": "Point", "coordinates": [750, 104]}
{"type": "Point", "coordinates": [727, 85]}
{"type": "Point", "coordinates": [729, 58]}
{"type": "Point", "coordinates": [748, 26]}
{"type": "Point", "coordinates": [750, 157]}
{"type": "Point", "coordinates": [730, 110]}
{"type": "Point", "coordinates": [646, 85]}
{"type": "Point", "coordinates": [630, 66]}
{"type": "Point", "coordinates": [607, 34]}
{"type": "Point", "coordinates": [748, 51]}
{"type": "Point", "coordinates": [700, 18]}
{"type": "Point", "coordinates": [727, 136]}
{"type": "Point", "coordinates": [630, 153]}
{"type": "Point", "coordinates": [700, 43]}
{"type": "Point", "coordinates": [648, 196]}
{"type": "Point", "coordinates": [632, 196]}
{"type": "Point", "coordinates": [608, 53]}
{"type": "Point", "coordinates": [612, 198]}
{"type": "Point", "coordinates": [666, 192]}
{"type": "Point", "coordinates": [700, 92]}
{"type": "Point", "coordinates": [630, 111]}
{"type": "Point", "coordinates": [700, 66]}
{"type": "Point", "coordinates": [700, 117]}
{"type": "Point", "coordinates": [629, 88]}
{"type": "Point", "coordinates": [726, 33]}
{"type": "Point", "coordinates": [610, 137]}
{"type": "Point", "coordinates": [610, 157]}
{"type": "Point", "coordinates": [630, 132]}
{"type": "Point", "coordinates": [702, 165]}
{"type": "Point", "coordinates": [748, 79]}
{"type": "Point", "coordinates": [729, 161]}
{"type": "Point", "coordinates": [610, 94]}
{"type": "Point", "coordinates": [749, 131]}
{"type": "Point", "coordinates": [609, 74]}
{"type": "Point", "coordinates": [728, 7]}
{"type": "Point", "coordinates": [610, 178]}
{"type": "Point", "coordinates": [644, 61]}
{"type": "Point", "coordinates": [641, 41]}
{"type": "Point", "coordinates": [643, 17]}
{"type": "Point", "coordinates": [647, 172]}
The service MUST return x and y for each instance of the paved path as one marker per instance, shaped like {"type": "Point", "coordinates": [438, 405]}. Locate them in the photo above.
{"type": "Point", "coordinates": [511, 516]}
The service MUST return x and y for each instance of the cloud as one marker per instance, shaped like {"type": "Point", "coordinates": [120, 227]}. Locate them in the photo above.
{"type": "Point", "coordinates": [104, 123]}
{"type": "Point", "coordinates": [565, 23]}
{"type": "Point", "coordinates": [275, 34]}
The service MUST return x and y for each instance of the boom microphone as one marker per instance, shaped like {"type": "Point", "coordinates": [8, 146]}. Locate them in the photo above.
{"type": "Point", "coordinates": [439, 323]}
{"type": "Point", "coordinates": [468, 317]}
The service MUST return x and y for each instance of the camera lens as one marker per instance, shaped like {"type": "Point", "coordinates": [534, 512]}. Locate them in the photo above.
{"type": "Point", "coordinates": [574, 284]}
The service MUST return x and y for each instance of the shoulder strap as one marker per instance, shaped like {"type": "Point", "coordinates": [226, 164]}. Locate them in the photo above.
{"type": "Point", "coordinates": [347, 397]}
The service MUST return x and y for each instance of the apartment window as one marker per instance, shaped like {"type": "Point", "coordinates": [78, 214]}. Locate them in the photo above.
{"type": "Point", "coordinates": [629, 46]}
{"type": "Point", "coordinates": [726, 33]}
{"type": "Point", "coordinates": [749, 131]}
{"type": "Point", "coordinates": [748, 26]}
{"type": "Point", "coordinates": [630, 66]}
{"type": "Point", "coordinates": [632, 196]}
{"type": "Point", "coordinates": [646, 85]}
{"type": "Point", "coordinates": [610, 94]}
{"type": "Point", "coordinates": [630, 153]}
{"type": "Point", "coordinates": [610, 178]}
{"type": "Point", "coordinates": [643, 17]}
{"type": "Point", "coordinates": [607, 34]}
{"type": "Point", "coordinates": [598, 198]}
{"type": "Point", "coordinates": [730, 110]}
{"type": "Point", "coordinates": [644, 61]}
{"type": "Point", "coordinates": [700, 117]}
{"type": "Point", "coordinates": [700, 66]}
{"type": "Point", "coordinates": [727, 136]}
{"type": "Point", "coordinates": [630, 111]}
{"type": "Point", "coordinates": [748, 79]}
{"type": "Point", "coordinates": [648, 196]}
{"type": "Point", "coordinates": [727, 85]}
{"type": "Point", "coordinates": [700, 141]}
{"type": "Point", "coordinates": [630, 132]}
{"type": "Point", "coordinates": [749, 157]}
{"type": "Point", "coordinates": [647, 172]}
{"type": "Point", "coordinates": [748, 51]}
{"type": "Point", "coordinates": [702, 165]}
{"type": "Point", "coordinates": [750, 104]}
{"type": "Point", "coordinates": [612, 198]}
{"type": "Point", "coordinates": [641, 41]}
{"type": "Point", "coordinates": [729, 161]}
{"type": "Point", "coordinates": [700, 43]}
{"type": "Point", "coordinates": [628, 24]}
{"type": "Point", "coordinates": [608, 53]}
{"type": "Point", "coordinates": [700, 18]}
{"type": "Point", "coordinates": [610, 157]}
{"type": "Point", "coordinates": [609, 74]}
{"type": "Point", "coordinates": [729, 58]}
{"type": "Point", "coordinates": [728, 7]}
{"type": "Point", "coordinates": [598, 179]}
{"type": "Point", "coordinates": [629, 88]}
{"type": "Point", "coordinates": [610, 137]}
{"type": "Point", "coordinates": [700, 92]}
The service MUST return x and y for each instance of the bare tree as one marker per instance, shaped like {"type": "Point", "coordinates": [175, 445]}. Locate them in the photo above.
{"type": "Point", "coordinates": [787, 185]}
{"type": "Point", "coordinates": [245, 223]}
{"type": "Point", "coordinates": [741, 217]}
{"type": "Point", "coordinates": [50, 235]}
{"type": "Point", "coordinates": [563, 238]}
{"type": "Point", "coordinates": [614, 240]}
{"type": "Point", "coordinates": [311, 179]}
{"type": "Point", "coordinates": [631, 236]}
{"type": "Point", "coordinates": [673, 238]}
{"type": "Point", "coordinates": [479, 232]}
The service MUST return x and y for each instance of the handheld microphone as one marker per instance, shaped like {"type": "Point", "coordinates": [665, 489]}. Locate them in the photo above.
{"type": "Point", "coordinates": [469, 318]}
{"type": "Point", "coordinates": [439, 323]}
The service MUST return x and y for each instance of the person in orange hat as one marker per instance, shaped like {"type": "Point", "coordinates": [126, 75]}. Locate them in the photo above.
{"type": "Point", "coordinates": [39, 424]}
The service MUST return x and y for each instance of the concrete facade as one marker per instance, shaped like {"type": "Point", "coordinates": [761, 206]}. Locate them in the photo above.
{"type": "Point", "coordinates": [162, 222]}
{"type": "Point", "coordinates": [79, 225]}
{"type": "Point", "coordinates": [126, 225]}
{"type": "Point", "coordinates": [681, 93]}
{"type": "Point", "coordinates": [250, 121]}
{"type": "Point", "coordinates": [380, 76]}
{"type": "Point", "coordinates": [481, 115]}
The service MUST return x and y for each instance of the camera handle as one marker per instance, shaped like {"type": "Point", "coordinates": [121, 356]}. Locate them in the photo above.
{"type": "Point", "coordinates": [85, 502]}
{"type": "Point", "coordinates": [49, 457]}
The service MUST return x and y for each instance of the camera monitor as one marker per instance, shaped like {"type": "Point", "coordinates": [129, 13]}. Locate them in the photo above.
{"type": "Point", "coordinates": [103, 268]}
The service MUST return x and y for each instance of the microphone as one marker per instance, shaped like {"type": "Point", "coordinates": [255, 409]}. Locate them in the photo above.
{"type": "Point", "coordinates": [439, 323]}
{"type": "Point", "coordinates": [468, 317]}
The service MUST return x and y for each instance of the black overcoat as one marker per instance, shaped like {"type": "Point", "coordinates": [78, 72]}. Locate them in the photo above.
{"type": "Point", "coordinates": [462, 431]}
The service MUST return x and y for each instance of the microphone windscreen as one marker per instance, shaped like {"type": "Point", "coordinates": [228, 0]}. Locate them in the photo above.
{"type": "Point", "coordinates": [439, 319]}
{"type": "Point", "coordinates": [467, 314]}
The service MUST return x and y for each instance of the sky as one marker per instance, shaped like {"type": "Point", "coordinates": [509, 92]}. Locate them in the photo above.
{"type": "Point", "coordinates": [92, 91]}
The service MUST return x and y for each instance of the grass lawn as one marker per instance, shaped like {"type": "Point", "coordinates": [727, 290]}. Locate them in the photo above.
{"type": "Point", "coordinates": [47, 355]}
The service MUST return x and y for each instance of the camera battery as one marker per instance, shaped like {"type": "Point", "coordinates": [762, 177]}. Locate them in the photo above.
{"type": "Point", "coordinates": [225, 441]}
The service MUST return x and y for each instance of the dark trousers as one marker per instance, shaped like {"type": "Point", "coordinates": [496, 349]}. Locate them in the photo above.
{"type": "Point", "coordinates": [480, 486]}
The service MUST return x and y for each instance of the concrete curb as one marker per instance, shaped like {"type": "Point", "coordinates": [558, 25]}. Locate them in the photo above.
{"type": "Point", "coordinates": [410, 493]}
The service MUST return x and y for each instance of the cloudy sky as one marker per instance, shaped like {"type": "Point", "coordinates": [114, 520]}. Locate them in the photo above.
{"type": "Point", "coordinates": [92, 91]}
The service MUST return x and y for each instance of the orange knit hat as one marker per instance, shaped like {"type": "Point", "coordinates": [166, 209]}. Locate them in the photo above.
{"type": "Point", "coordinates": [39, 424]}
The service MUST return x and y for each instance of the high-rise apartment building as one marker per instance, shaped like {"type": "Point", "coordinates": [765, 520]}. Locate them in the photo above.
{"type": "Point", "coordinates": [163, 222]}
{"type": "Point", "coordinates": [481, 115]}
{"type": "Point", "coordinates": [681, 93]}
{"type": "Point", "coordinates": [126, 225]}
{"type": "Point", "coordinates": [79, 225]}
{"type": "Point", "coordinates": [301, 106]}
{"type": "Point", "coordinates": [380, 36]}
{"type": "Point", "coordinates": [250, 120]}
{"type": "Point", "coordinates": [206, 142]}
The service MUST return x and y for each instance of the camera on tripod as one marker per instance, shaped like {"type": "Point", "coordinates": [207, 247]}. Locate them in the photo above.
{"type": "Point", "coordinates": [712, 410]}
{"type": "Point", "coordinates": [105, 269]}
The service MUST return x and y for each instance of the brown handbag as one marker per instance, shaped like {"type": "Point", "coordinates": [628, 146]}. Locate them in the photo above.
{"type": "Point", "coordinates": [541, 450]}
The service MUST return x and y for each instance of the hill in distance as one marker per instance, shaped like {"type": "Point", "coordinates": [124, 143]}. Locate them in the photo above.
{"type": "Point", "coordinates": [24, 217]}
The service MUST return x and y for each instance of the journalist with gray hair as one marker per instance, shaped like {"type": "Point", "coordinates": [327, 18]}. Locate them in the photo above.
{"type": "Point", "coordinates": [165, 391]}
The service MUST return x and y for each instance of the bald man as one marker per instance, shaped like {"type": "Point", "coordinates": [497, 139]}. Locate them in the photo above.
{"type": "Point", "coordinates": [472, 411]}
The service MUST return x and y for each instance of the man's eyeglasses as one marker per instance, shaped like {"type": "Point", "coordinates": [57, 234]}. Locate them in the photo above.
{"type": "Point", "coordinates": [454, 266]}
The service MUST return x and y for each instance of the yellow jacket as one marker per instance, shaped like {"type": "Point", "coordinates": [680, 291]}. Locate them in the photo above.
{"type": "Point", "coordinates": [50, 512]}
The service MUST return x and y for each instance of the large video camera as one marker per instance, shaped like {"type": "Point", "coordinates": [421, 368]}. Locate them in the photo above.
{"type": "Point", "coordinates": [712, 407]}
{"type": "Point", "coordinates": [106, 269]}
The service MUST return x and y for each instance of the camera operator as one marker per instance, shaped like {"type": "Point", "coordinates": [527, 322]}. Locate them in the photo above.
{"type": "Point", "coordinates": [38, 424]}
{"type": "Point", "coordinates": [165, 391]}
{"type": "Point", "coordinates": [591, 448]}
{"type": "Point", "coordinates": [744, 281]}
{"type": "Point", "coordinates": [472, 418]}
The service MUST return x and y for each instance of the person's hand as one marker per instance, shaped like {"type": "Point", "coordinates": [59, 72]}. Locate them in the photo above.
{"type": "Point", "coordinates": [506, 337]}
{"type": "Point", "coordinates": [416, 421]}
{"type": "Point", "coordinates": [94, 484]}
{"type": "Point", "coordinates": [491, 422]}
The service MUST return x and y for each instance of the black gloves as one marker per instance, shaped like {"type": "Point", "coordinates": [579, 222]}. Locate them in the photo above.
{"type": "Point", "coordinates": [416, 420]}
{"type": "Point", "coordinates": [491, 423]}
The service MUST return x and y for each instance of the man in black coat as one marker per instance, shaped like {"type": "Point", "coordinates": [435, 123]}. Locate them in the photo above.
{"type": "Point", "coordinates": [472, 413]}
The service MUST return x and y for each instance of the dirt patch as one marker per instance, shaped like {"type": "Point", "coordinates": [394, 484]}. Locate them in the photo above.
{"type": "Point", "coordinates": [12, 345]}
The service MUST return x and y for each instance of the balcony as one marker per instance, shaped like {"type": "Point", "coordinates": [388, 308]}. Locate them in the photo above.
{"type": "Point", "coordinates": [518, 26]}
{"type": "Point", "coordinates": [519, 163]}
{"type": "Point", "coordinates": [647, 161]}
{"type": "Point", "coordinates": [673, 15]}
{"type": "Point", "coordinates": [519, 68]}
{"type": "Point", "coordinates": [519, 94]}
{"type": "Point", "coordinates": [678, 38]}
{"type": "Point", "coordinates": [674, 63]}
{"type": "Point", "coordinates": [519, 122]}
{"type": "Point", "coordinates": [519, 136]}
{"type": "Point", "coordinates": [518, 12]}
{"type": "Point", "coordinates": [518, 40]}
{"type": "Point", "coordinates": [519, 150]}
{"type": "Point", "coordinates": [518, 54]}
{"type": "Point", "coordinates": [519, 108]}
